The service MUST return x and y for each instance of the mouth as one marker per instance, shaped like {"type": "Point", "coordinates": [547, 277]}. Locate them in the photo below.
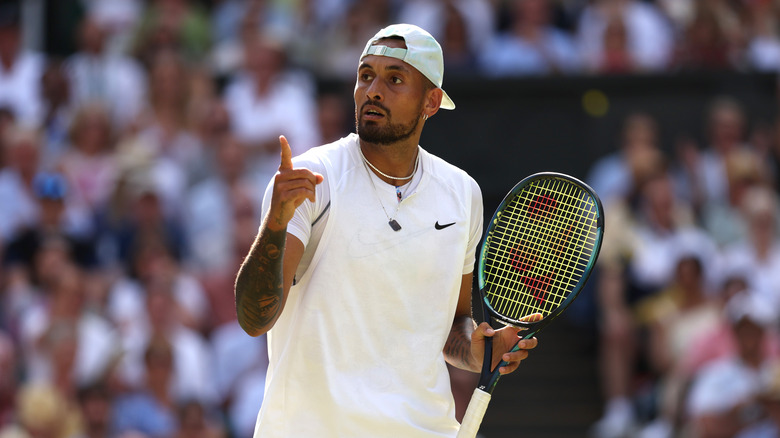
{"type": "Point", "coordinates": [372, 113]}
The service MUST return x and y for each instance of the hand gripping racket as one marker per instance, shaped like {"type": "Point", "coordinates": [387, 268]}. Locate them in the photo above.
{"type": "Point", "coordinates": [538, 252]}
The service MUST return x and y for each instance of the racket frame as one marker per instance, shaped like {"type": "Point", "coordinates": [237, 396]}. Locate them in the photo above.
{"type": "Point", "coordinates": [489, 376]}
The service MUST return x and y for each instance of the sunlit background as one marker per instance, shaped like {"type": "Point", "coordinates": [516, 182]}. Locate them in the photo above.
{"type": "Point", "coordinates": [137, 138]}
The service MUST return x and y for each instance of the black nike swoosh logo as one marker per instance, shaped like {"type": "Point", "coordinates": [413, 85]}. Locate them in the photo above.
{"type": "Point", "coordinates": [441, 227]}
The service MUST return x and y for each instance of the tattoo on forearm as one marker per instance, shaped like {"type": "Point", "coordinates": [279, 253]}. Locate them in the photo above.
{"type": "Point", "coordinates": [259, 285]}
{"type": "Point", "coordinates": [457, 350]}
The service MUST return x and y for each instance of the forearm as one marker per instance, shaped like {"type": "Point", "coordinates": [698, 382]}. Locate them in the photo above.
{"type": "Point", "coordinates": [457, 350]}
{"type": "Point", "coordinates": [259, 288]}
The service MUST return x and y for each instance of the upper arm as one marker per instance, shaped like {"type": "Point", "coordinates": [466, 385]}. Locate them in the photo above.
{"type": "Point", "coordinates": [464, 297]}
{"type": "Point", "coordinates": [293, 252]}
{"type": "Point", "coordinates": [457, 349]}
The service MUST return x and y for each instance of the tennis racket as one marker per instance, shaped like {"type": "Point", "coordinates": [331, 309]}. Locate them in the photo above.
{"type": "Point", "coordinates": [538, 252]}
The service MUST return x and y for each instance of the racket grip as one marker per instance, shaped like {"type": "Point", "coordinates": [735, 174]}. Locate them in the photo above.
{"type": "Point", "coordinates": [472, 419]}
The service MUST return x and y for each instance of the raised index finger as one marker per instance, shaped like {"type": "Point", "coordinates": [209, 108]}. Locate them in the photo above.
{"type": "Point", "coordinates": [286, 163]}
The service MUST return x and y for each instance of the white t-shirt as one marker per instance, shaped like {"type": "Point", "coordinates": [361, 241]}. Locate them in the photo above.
{"type": "Point", "coordinates": [357, 350]}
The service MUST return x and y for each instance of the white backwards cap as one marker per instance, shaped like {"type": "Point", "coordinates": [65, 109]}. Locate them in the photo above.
{"type": "Point", "coordinates": [422, 52]}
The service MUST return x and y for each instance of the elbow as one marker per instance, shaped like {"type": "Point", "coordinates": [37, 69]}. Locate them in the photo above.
{"type": "Point", "coordinates": [253, 332]}
{"type": "Point", "coordinates": [256, 315]}
{"type": "Point", "coordinates": [250, 329]}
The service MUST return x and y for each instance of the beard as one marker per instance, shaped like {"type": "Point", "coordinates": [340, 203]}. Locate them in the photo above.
{"type": "Point", "coordinates": [371, 132]}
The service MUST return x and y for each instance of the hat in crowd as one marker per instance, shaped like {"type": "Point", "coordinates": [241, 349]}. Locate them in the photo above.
{"type": "Point", "coordinates": [41, 405]}
{"type": "Point", "coordinates": [422, 52]}
{"type": "Point", "coordinates": [51, 186]}
{"type": "Point", "coordinates": [749, 305]}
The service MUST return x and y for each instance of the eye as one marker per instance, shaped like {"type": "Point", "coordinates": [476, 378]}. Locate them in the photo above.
{"type": "Point", "coordinates": [365, 77]}
{"type": "Point", "coordinates": [396, 80]}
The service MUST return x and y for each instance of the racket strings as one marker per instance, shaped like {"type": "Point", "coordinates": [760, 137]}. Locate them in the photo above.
{"type": "Point", "coordinates": [545, 231]}
{"type": "Point", "coordinates": [539, 248]}
{"type": "Point", "coordinates": [542, 291]}
{"type": "Point", "coordinates": [541, 286]}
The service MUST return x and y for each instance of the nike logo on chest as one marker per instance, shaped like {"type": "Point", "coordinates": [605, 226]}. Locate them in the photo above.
{"type": "Point", "coordinates": [441, 227]}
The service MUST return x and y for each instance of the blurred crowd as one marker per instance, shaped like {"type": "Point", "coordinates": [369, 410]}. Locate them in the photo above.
{"type": "Point", "coordinates": [137, 138]}
{"type": "Point", "coordinates": [688, 285]}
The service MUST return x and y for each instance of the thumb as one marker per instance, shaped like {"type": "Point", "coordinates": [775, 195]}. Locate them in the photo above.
{"type": "Point", "coordinates": [286, 163]}
{"type": "Point", "coordinates": [483, 330]}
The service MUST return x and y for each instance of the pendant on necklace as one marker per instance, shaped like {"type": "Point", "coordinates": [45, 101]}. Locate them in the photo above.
{"type": "Point", "coordinates": [394, 225]}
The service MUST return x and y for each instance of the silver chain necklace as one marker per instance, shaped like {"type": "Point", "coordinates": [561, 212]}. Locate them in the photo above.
{"type": "Point", "coordinates": [416, 163]}
{"type": "Point", "coordinates": [390, 220]}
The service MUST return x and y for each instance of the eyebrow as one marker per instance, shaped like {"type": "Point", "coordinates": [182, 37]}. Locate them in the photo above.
{"type": "Point", "coordinates": [398, 67]}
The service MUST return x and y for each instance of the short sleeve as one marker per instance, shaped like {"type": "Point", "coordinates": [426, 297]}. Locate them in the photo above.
{"type": "Point", "coordinates": [475, 230]}
{"type": "Point", "coordinates": [300, 225]}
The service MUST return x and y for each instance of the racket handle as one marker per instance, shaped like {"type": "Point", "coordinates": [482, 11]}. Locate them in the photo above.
{"type": "Point", "coordinates": [472, 419]}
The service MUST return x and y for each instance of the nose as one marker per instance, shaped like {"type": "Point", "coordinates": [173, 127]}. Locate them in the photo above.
{"type": "Point", "coordinates": [374, 90]}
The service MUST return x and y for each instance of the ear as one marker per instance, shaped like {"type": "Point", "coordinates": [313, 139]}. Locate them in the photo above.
{"type": "Point", "coordinates": [433, 99]}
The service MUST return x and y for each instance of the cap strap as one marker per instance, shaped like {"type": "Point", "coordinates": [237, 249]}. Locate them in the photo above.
{"type": "Point", "coordinates": [393, 52]}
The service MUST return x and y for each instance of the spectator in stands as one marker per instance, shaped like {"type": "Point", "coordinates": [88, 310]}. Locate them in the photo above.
{"type": "Point", "coordinates": [619, 173]}
{"type": "Point", "coordinates": [240, 362]}
{"type": "Point", "coordinates": [119, 18]}
{"type": "Point", "coordinates": [232, 21]}
{"type": "Point", "coordinates": [22, 158]}
{"type": "Point", "coordinates": [43, 413]}
{"type": "Point", "coordinates": [531, 46]}
{"type": "Point", "coordinates": [165, 314]}
{"type": "Point", "coordinates": [769, 400]}
{"type": "Point", "coordinates": [763, 46]}
{"type": "Point", "coordinates": [90, 162]}
{"type": "Point", "coordinates": [463, 27]}
{"type": "Point", "coordinates": [240, 368]}
{"type": "Point", "coordinates": [617, 57]}
{"type": "Point", "coordinates": [211, 123]}
{"type": "Point", "coordinates": [725, 221]}
{"type": "Point", "coordinates": [705, 170]}
{"type": "Point", "coordinates": [194, 422]}
{"type": "Point", "coordinates": [54, 219]}
{"type": "Point", "coordinates": [704, 43]}
{"type": "Point", "coordinates": [344, 39]}
{"type": "Point", "coordinates": [649, 36]}
{"type": "Point", "coordinates": [63, 343]}
{"type": "Point", "coordinates": [211, 206]}
{"type": "Point", "coordinates": [672, 321]}
{"type": "Point", "coordinates": [181, 26]}
{"type": "Point", "coordinates": [139, 216]}
{"type": "Point", "coordinates": [58, 112]}
{"type": "Point", "coordinates": [166, 125]}
{"type": "Point", "coordinates": [20, 70]}
{"type": "Point", "coordinates": [268, 99]}
{"type": "Point", "coordinates": [22, 285]}
{"type": "Point", "coordinates": [456, 44]}
{"type": "Point", "coordinates": [637, 261]}
{"type": "Point", "coordinates": [151, 409]}
{"type": "Point", "coordinates": [96, 404]}
{"type": "Point", "coordinates": [719, 342]}
{"type": "Point", "coordinates": [759, 251]}
{"type": "Point", "coordinates": [97, 74]}
{"type": "Point", "coordinates": [154, 263]}
{"type": "Point", "coordinates": [334, 114]}
{"type": "Point", "coordinates": [713, 415]}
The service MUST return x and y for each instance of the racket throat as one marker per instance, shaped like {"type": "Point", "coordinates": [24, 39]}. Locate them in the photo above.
{"type": "Point", "coordinates": [488, 378]}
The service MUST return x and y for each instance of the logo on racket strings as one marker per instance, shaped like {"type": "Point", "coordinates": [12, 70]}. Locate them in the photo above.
{"type": "Point", "coordinates": [524, 258]}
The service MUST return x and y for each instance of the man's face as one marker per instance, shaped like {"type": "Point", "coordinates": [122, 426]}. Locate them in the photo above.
{"type": "Point", "coordinates": [389, 98]}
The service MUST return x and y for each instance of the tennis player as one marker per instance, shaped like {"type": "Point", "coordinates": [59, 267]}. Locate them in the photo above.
{"type": "Point", "coordinates": [361, 272]}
